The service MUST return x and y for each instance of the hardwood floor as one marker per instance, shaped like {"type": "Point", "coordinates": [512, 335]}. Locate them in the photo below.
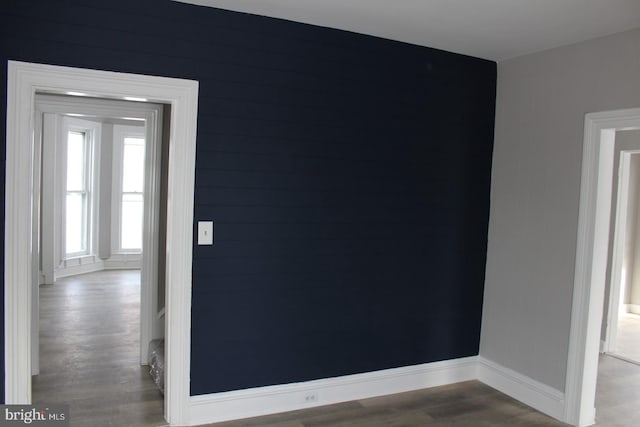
{"type": "Point", "coordinates": [89, 351]}
{"type": "Point", "coordinates": [89, 360]}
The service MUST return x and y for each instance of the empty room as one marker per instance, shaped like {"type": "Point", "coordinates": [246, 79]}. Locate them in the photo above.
{"type": "Point", "coordinates": [362, 212]}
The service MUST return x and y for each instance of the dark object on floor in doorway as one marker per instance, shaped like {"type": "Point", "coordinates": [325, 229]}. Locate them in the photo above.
{"type": "Point", "coordinates": [156, 363]}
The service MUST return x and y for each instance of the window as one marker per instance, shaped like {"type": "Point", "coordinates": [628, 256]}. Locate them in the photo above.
{"type": "Point", "coordinates": [128, 188]}
{"type": "Point", "coordinates": [132, 194]}
{"type": "Point", "coordinates": [78, 195]}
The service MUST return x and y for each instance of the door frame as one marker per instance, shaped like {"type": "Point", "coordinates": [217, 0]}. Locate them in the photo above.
{"type": "Point", "coordinates": [24, 80]}
{"type": "Point", "coordinates": [591, 260]}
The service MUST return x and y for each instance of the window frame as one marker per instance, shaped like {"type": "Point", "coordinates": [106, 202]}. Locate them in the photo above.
{"type": "Point", "coordinates": [91, 131]}
{"type": "Point", "coordinates": [120, 132]}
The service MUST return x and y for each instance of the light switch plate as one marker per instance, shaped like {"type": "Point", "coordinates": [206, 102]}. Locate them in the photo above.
{"type": "Point", "coordinates": [205, 232]}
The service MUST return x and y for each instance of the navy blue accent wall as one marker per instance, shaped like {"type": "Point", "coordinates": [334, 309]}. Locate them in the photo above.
{"type": "Point", "coordinates": [348, 177]}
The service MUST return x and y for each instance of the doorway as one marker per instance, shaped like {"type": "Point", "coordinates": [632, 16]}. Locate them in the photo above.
{"type": "Point", "coordinates": [591, 260]}
{"type": "Point", "coordinates": [622, 295]}
{"type": "Point", "coordinates": [96, 220]}
{"type": "Point", "coordinates": [24, 80]}
{"type": "Point", "coordinates": [100, 159]}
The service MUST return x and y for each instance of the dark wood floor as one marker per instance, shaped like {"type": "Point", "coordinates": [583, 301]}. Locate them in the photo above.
{"type": "Point", "coordinates": [89, 359]}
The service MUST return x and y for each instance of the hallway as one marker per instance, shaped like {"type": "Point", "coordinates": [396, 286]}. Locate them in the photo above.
{"type": "Point", "coordinates": [89, 351]}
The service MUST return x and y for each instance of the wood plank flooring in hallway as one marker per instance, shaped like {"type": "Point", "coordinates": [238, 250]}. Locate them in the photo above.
{"type": "Point", "coordinates": [89, 351]}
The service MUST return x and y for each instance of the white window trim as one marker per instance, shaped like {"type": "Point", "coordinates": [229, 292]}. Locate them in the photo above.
{"type": "Point", "coordinates": [120, 132]}
{"type": "Point", "coordinates": [92, 131]}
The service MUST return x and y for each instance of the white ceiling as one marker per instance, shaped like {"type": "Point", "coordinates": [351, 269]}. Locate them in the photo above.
{"type": "Point", "coordinates": [491, 29]}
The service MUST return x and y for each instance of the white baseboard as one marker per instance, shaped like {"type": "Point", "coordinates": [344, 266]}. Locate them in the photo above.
{"type": "Point", "coordinates": [79, 266]}
{"type": "Point", "coordinates": [632, 308]}
{"type": "Point", "coordinates": [520, 387]}
{"type": "Point", "coordinates": [91, 264]}
{"type": "Point", "coordinates": [259, 401]}
{"type": "Point", "coordinates": [288, 397]}
{"type": "Point", "coordinates": [123, 262]}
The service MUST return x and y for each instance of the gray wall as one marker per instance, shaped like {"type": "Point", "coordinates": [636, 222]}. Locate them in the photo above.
{"type": "Point", "coordinates": [541, 103]}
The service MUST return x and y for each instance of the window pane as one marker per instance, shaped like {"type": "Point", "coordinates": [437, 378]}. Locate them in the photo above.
{"type": "Point", "coordinates": [75, 161]}
{"type": "Point", "coordinates": [75, 225]}
{"type": "Point", "coordinates": [133, 165]}
{"type": "Point", "coordinates": [131, 229]}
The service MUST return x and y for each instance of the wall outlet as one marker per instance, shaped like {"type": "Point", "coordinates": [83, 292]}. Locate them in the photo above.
{"type": "Point", "coordinates": [310, 397]}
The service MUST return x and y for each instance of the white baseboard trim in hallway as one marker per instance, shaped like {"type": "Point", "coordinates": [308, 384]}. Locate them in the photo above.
{"type": "Point", "coordinates": [288, 397]}
{"type": "Point", "coordinates": [539, 396]}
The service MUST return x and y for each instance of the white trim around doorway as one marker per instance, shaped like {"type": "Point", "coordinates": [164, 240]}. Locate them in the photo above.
{"type": "Point", "coordinates": [24, 80]}
{"type": "Point", "coordinates": [591, 260]}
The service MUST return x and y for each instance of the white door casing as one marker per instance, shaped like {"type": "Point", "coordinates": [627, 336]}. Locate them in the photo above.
{"type": "Point", "coordinates": [24, 81]}
{"type": "Point", "coordinates": [591, 260]}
